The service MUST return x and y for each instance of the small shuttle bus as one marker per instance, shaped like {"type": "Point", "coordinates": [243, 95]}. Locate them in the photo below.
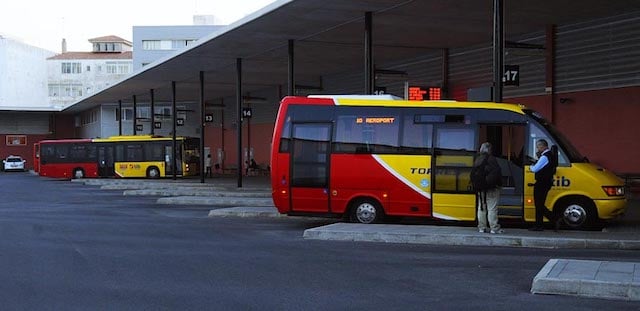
{"type": "Point", "coordinates": [367, 157]}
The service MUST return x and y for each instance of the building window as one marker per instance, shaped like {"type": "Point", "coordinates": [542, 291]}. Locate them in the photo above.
{"type": "Point", "coordinates": [127, 114]}
{"type": "Point", "coordinates": [68, 68]}
{"type": "Point", "coordinates": [88, 68]}
{"type": "Point", "coordinates": [65, 90]}
{"type": "Point", "coordinates": [16, 140]}
{"type": "Point", "coordinates": [89, 117]}
{"type": "Point", "coordinates": [144, 112]}
{"type": "Point", "coordinates": [54, 90]}
{"type": "Point", "coordinates": [118, 67]}
{"type": "Point", "coordinates": [179, 44]}
{"type": "Point", "coordinates": [163, 113]}
{"type": "Point", "coordinates": [150, 44]}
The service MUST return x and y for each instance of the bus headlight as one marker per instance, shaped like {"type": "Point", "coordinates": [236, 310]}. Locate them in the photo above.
{"type": "Point", "coordinates": [614, 191]}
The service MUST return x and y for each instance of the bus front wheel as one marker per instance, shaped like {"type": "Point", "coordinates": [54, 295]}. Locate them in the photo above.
{"type": "Point", "coordinates": [578, 213]}
{"type": "Point", "coordinates": [153, 172]}
{"type": "Point", "coordinates": [366, 211]}
{"type": "Point", "coordinates": [78, 173]}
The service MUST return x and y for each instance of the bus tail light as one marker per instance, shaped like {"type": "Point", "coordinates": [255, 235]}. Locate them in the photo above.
{"type": "Point", "coordinates": [614, 191]}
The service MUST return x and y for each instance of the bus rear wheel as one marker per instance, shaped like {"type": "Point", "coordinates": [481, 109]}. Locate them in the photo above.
{"type": "Point", "coordinates": [78, 173]}
{"type": "Point", "coordinates": [153, 172]}
{"type": "Point", "coordinates": [578, 213]}
{"type": "Point", "coordinates": [366, 211]}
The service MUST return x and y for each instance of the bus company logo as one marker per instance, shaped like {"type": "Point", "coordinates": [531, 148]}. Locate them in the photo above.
{"type": "Point", "coordinates": [424, 183]}
{"type": "Point", "coordinates": [561, 181]}
{"type": "Point", "coordinates": [420, 170]}
{"type": "Point", "coordinates": [123, 166]}
{"type": "Point", "coordinates": [134, 166]}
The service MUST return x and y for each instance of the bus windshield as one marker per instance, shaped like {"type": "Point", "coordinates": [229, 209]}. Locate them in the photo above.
{"type": "Point", "coordinates": [571, 151]}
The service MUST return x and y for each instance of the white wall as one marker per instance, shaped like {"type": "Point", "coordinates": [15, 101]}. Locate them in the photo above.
{"type": "Point", "coordinates": [23, 74]}
{"type": "Point", "coordinates": [92, 81]}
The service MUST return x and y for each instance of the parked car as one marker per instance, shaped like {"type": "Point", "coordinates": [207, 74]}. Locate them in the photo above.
{"type": "Point", "coordinates": [14, 163]}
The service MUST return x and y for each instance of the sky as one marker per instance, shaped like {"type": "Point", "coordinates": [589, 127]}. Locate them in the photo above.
{"type": "Point", "coordinates": [43, 23]}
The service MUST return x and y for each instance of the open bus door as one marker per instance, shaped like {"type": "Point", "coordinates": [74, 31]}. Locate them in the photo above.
{"type": "Point", "coordinates": [508, 142]}
{"type": "Point", "coordinates": [106, 161]}
{"type": "Point", "coordinates": [310, 167]}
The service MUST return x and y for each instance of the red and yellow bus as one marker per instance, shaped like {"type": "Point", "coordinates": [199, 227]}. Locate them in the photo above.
{"type": "Point", "coordinates": [119, 156]}
{"type": "Point", "coordinates": [366, 157]}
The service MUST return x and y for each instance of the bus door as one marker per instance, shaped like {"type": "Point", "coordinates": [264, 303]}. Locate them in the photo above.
{"type": "Point", "coordinates": [508, 142]}
{"type": "Point", "coordinates": [106, 161]}
{"type": "Point", "coordinates": [168, 159]}
{"type": "Point", "coordinates": [454, 150]}
{"type": "Point", "coordinates": [310, 167]}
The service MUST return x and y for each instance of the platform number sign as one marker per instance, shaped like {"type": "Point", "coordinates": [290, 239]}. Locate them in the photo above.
{"type": "Point", "coordinates": [247, 112]}
{"type": "Point", "coordinates": [511, 75]}
{"type": "Point", "coordinates": [208, 117]}
{"type": "Point", "coordinates": [179, 122]}
{"type": "Point", "coordinates": [139, 127]}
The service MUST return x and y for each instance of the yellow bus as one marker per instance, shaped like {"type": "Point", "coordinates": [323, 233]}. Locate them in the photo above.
{"type": "Point", "coordinates": [367, 157]}
{"type": "Point", "coordinates": [146, 156]}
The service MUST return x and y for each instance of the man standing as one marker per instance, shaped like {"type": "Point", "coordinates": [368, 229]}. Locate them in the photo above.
{"type": "Point", "coordinates": [207, 165]}
{"type": "Point", "coordinates": [486, 179]}
{"type": "Point", "coordinates": [544, 169]}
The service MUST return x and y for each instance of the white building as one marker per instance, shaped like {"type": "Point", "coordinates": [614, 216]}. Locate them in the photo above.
{"type": "Point", "coordinates": [73, 75]}
{"type": "Point", "coordinates": [155, 42]}
{"type": "Point", "coordinates": [23, 74]}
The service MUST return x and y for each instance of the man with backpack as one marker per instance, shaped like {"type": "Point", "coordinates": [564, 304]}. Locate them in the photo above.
{"type": "Point", "coordinates": [486, 180]}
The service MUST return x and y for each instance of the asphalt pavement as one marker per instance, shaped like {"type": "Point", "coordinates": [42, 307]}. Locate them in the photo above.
{"type": "Point", "coordinates": [602, 279]}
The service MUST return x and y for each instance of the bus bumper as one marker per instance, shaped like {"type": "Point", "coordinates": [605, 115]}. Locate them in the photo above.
{"type": "Point", "coordinates": [609, 209]}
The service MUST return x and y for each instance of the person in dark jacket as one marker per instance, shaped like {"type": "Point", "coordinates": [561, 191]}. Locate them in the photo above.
{"type": "Point", "coordinates": [487, 199]}
{"type": "Point", "coordinates": [544, 170]}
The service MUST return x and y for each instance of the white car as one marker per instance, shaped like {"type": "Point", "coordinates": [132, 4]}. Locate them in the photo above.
{"type": "Point", "coordinates": [14, 163]}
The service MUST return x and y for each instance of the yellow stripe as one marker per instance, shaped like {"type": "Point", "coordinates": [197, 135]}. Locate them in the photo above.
{"type": "Point", "coordinates": [429, 104]}
{"type": "Point", "coordinates": [413, 170]}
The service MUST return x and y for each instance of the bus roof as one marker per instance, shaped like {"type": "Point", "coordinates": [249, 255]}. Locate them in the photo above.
{"type": "Point", "coordinates": [62, 141]}
{"type": "Point", "coordinates": [135, 138]}
{"type": "Point", "coordinates": [386, 101]}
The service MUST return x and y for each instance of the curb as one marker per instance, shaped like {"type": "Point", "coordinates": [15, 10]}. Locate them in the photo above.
{"type": "Point", "coordinates": [217, 201]}
{"type": "Point", "coordinates": [459, 236]}
{"type": "Point", "coordinates": [191, 192]}
{"type": "Point", "coordinates": [246, 211]}
{"type": "Point", "coordinates": [549, 281]}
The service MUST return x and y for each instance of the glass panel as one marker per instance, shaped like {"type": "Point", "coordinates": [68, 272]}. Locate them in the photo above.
{"type": "Point", "coordinates": [454, 159]}
{"type": "Point", "coordinates": [310, 155]}
{"type": "Point", "coordinates": [417, 138]}
{"type": "Point", "coordinates": [367, 130]}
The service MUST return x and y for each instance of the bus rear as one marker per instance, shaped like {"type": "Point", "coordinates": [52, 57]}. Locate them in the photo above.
{"type": "Point", "coordinates": [68, 158]}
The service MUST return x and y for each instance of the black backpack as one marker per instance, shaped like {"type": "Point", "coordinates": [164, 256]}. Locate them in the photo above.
{"type": "Point", "coordinates": [482, 177]}
{"type": "Point", "coordinates": [479, 176]}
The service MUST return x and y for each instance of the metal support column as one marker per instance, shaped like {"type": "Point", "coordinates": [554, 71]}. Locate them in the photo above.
{"type": "Point", "coordinates": [135, 115]}
{"type": "Point", "coordinates": [445, 74]}
{"type": "Point", "coordinates": [153, 112]}
{"type": "Point", "coordinates": [119, 117]}
{"type": "Point", "coordinates": [239, 117]}
{"type": "Point", "coordinates": [368, 54]}
{"type": "Point", "coordinates": [291, 80]}
{"type": "Point", "coordinates": [498, 49]}
{"type": "Point", "coordinates": [202, 127]}
{"type": "Point", "coordinates": [174, 166]}
{"type": "Point", "coordinates": [550, 68]}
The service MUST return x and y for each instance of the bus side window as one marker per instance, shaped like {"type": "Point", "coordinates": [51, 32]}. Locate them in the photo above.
{"type": "Point", "coordinates": [536, 134]}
